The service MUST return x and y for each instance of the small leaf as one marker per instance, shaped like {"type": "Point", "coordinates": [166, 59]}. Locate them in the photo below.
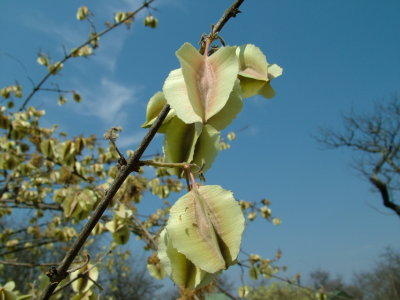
{"type": "Point", "coordinates": [251, 216]}
{"type": "Point", "coordinates": [121, 236]}
{"type": "Point", "coordinates": [9, 286]}
{"type": "Point", "coordinates": [77, 97]}
{"type": "Point", "coordinates": [55, 68]}
{"type": "Point", "coordinates": [253, 273]}
{"type": "Point", "coordinates": [150, 21]}
{"type": "Point", "coordinates": [47, 148]}
{"type": "Point", "coordinates": [82, 13]}
{"type": "Point", "coordinates": [119, 16]}
{"type": "Point", "coordinates": [276, 221]}
{"type": "Point", "coordinates": [82, 51]}
{"type": "Point", "coordinates": [62, 100]}
{"type": "Point", "coordinates": [43, 60]}
{"type": "Point", "coordinates": [156, 271]}
{"type": "Point", "coordinates": [243, 291]}
{"type": "Point", "coordinates": [231, 136]}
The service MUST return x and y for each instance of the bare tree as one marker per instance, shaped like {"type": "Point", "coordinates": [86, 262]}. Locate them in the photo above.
{"type": "Point", "coordinates": [375, 137]}
{"type": "Point", "coordinates": [383, 281]}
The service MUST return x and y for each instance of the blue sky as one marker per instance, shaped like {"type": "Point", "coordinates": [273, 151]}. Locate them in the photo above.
{"type": "Point", "coordinates": [336, 55]}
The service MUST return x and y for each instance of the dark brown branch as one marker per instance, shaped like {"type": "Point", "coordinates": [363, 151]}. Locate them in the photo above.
{"type": "Point", "coordinates": [375, 137]}
{"type": "Point", "coordinates": [382, 187]}
{"type": "Point", "coordinates": [87, 260]}
{"type": "Point", "coordinates": [133, 165]}
{"type": "Point", "coordinates": [70, 55]}
{"type": "Point", "coordinates": [231, 12]}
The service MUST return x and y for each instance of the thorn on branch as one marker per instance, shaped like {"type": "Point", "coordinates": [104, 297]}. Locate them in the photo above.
{"type": "Point", "coordinates": [80, 266]}
{"type": "Point", "coordinates": [235, 12]}
{"type": "Point", "coordinates": [52, 273]}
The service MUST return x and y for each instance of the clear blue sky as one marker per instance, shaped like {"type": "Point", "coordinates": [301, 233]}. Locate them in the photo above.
{"type": "Point", "coordinates": [336, 55]}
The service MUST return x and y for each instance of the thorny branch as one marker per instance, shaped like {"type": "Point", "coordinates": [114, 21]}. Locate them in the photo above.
{"type": "Point", "coordinates": [133, 164]}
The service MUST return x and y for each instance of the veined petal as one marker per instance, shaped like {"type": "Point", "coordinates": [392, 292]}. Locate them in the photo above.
{"type": "Point", "coordinates": [181, 270]}
{"type": "Point", "coordinates": [206, 226]}
{"type": "Point", "coordinates": [177, 97]}
{"type": "Point", "coordinates": [207, 147]}
{"type": "Point", "coordinates": [209, 79]}
{"type": "Point", "coordinates": [229, 112]}
{"type": "Point", "coordinates": [250, 86]}
{"type": "Point", "coordinates": [267, 91]}
{"type": "Point", "coordinates": [274, 71]}
{"type": "Point", "coordinates": [252, 62]}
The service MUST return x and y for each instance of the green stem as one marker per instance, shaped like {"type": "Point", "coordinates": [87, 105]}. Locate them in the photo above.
{"type": "Point", "coordinates": [164, 165]}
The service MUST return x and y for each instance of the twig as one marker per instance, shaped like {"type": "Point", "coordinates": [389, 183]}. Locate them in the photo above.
{"type": "Point", "coordinates": [226, 292]}
{"type": "Point", "coordinates": [147, 234]}
{"type": "Point", "coordinates": [81, 265]}
{"type": "Point", "coordinates": [21, 264]}
{"type": "Point", "coordinates": [231, 12]}
{"type": "Point", "coordinates": [82, 275]}
{"type": "Point", "coordinates": [70, 55]}
{"type": "Point", "coordinates": [57, 90]}
{"type": "Point", "coordinates": [27, 247]}
{"type": "Point", "coordinates": [164, 165]}
{"type": "Point", "coordinates": [382, 187]}
{"type": "Point", "coordinates": [133, 165]}
{"type": "Point", "coordinates": [16, 204]}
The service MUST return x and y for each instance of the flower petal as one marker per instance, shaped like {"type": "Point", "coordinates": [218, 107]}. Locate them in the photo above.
{"type": "Point", "coordinates": [154, 107]}
{"type": "Point", "coordinates": [207, 147]}
{"type": "Point", "coordinates": [252, 62]}
{"type": "Point", "coordinates": [206, 225]}
{"type": "Point", "coordinates": [180, 141]}
{"type": "Point", "coordinates": [209, 81]}
{"type": "Point", "coordinates": [229, 112]}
